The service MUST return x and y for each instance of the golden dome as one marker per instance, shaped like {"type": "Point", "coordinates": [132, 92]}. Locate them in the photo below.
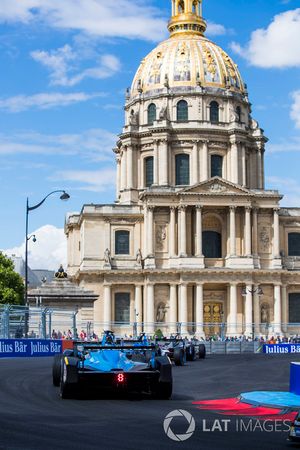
{"type": "Point", "coordinates": [187, 58]}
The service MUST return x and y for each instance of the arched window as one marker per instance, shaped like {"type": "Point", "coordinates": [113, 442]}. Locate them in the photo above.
{"type": "Point", "coordinates": [182, 163]}
{"type": "Point", "coordinates": [122, 307]}
{"type": "Point", "coordinates": [182, 111]}
{"type": "Point", "coordinates": [214, 112]}
{"type": "Point", "coordinates": [122, 242]}
{"type": "Point", "coordinates": [212, 244]}
{"type": "Point", "coordinates": [294, 244]}
{"type": "Point", "coordinates": [239, 114]}
{"type": "Point", "coordinates": [181, 7]}
{"type": "Point", "coordinates": [216, 166]}
{"type": "Point", "coordinates": [294, 308]}
{"type": "Point", "coordinates": [149, 171]}
{"type": "Point", "coordinates": [195, 7]}
{"type": "Point", "coordinates": [151, 113]}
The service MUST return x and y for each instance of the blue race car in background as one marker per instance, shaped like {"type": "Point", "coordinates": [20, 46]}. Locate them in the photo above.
{"type": "Point", "coordinates": [136, 368]}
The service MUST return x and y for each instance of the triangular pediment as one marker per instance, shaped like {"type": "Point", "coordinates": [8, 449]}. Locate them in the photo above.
{"type": "Point", "coordinates": [216, 186]}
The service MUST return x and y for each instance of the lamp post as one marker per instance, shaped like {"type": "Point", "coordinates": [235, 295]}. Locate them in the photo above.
{"type": "Point", "coordinates": [64, 196]}
{"type": "Point", "coordinates": [253, 291]}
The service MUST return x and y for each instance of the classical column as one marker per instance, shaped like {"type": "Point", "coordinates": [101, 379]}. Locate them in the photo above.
{"type": "Point", "coordinates": [172, 233]}
{"type": "Point", "coordinates": [234, 162]}
{"type": "Point", "coordinates": [155, 163]}
{"type": "Point", "coordinates": [255, 231]}
{"type": "Point", "coordinates": [129, 167]}
{"type": "Point", "coordinates": [284, 308]}
{"type": "Point", "coordinates": [199, 250]}
{"type": "Point", "coordinates": [173, 308]}
{"type": "Point", "coordinates": [244, 175]}
{"type": "Point", "coordinates": [123, 170]}
{"type": "Point", "coordinates": [233, 310]}
{"type": "Point", "coordinates": [259, 168]}
{"type": "Point", "coordinates": [256, 301]}
{"type": "Point", "coordinates": [182, 241]}
{"type": "Point", "coordinates": [150, 231]}
{"type": "Point", "coordinates": [195, 163]}
{"type": "Point", "coordinates": [163, 163]}
{"type": "Point", "coordinates": [183, 311]}
{"type": "Point", "coordinates": [205, 175]}
{"type": "Point", "coordinates": [145, 243]}
{"type": "Point", "coordinates": [276, 234]}
{"type": "Point", "coordinates": [248, 250]}
{"type": "Point", "coordinates": [232, 231]}
{"type": "Point", "coordinates": [248, 311]}
{"type": "Point", "coordinates": [277, 309]}
{"type": "Point", "coordinates": [118, 183]}
{"type": "Point", "coordinates": [150, 309]}
{"type": "Point", "coordinates": [199, 310]}
{"type": "Point", "coordinates": [107, 307]}
{"type": "Point", "coordinates": [138, 306]}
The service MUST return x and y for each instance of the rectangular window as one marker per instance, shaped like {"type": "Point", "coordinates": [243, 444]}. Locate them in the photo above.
{"type": "Point", "coordinates": [294, 244]}
{"type": "Point", "coordinates": [182, 170]}
{"type": "Point", "coordinates": [122, 307]}
{"type": "Point", "coordinates": [294, 308]}
{"type": "Point", "coordinates": [122, 242]}
{"type": "Point", "coordinates": [149, 171]}
{"type": "Point", "coordinates": [216, 166]}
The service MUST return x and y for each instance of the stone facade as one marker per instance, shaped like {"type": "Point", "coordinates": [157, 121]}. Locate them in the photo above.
{"type": "Point", "coordinates": [169, 269]}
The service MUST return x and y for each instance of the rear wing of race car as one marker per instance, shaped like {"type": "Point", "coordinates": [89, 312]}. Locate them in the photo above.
{"type": "Point", "coordinates": [96, 346]}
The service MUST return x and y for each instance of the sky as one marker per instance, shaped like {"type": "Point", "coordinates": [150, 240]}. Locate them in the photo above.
{"type": "Point", "coordinates": [65, 66]}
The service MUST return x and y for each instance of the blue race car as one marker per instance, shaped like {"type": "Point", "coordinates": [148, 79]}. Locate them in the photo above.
{"type": "Point", "coordinates": [107, 365]}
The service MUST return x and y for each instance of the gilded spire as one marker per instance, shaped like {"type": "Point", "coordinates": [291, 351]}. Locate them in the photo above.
{"type": "Point", "coordinates": [187, 18]}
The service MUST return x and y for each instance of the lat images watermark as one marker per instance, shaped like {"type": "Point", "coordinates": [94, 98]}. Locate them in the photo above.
{"type": "Point", "coordinates": [220, 425]}
{"type": "Point", "coordinates": [191, 425]}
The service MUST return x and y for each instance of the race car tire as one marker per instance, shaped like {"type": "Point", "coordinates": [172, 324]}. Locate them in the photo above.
{"type": "Point", "coordinates": [56, 370]}
{"type": "Point", "coordinates": [179, 357]}
{"type": "Point", "coordinates": [69, 380]}
{"type": "Point", "coordinates": [191, 353]}
{"type": "Point", "coordinates": [163, 391]}
{"type": "Point", "coordinates": [202, 351]}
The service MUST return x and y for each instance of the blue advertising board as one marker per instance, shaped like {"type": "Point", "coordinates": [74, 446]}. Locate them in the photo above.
{"type": "Point", "coordinates": [272, 349]}
{"type": "Point", "coordinates": [12, 348]}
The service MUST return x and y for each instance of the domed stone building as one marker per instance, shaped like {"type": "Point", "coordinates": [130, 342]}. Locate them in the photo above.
{"type": "Point", "coordinates": [194, 242]}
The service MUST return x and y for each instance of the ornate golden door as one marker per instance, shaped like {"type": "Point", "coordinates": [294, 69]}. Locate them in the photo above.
{"type": "Point", "coordinates": [212, 318]}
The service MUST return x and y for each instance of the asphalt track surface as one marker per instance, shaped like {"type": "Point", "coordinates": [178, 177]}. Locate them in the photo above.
{"type": "Point", "coordinates": [33, 417]}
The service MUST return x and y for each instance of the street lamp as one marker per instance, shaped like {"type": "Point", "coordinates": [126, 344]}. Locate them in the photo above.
{"type": "Point", "coordinates": [64, 196]}
{"type": "Point", "coordinates": [257, 291]}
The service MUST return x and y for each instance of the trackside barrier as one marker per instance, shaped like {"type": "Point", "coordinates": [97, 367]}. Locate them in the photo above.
{"type": "Point", "coordinates": [16, 348]}
{"type": "Point", "coordinates": [271, 349]}
{"type": "Point", "coordinates": [231, 347]}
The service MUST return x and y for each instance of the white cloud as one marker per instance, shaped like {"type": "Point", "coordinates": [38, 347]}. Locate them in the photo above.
{"type": "Point", "coordinates": [215, 29]}
{"type": "Point", "coordinates": [48, 252]}
{"type": "Point", "coordinates": [124, 18]}
{"type": "Point", "coordinates": [275, 46]}
{"type": "Point", "coordinates": [287, 186]}
{"type": "Point", "coordinates": [45, 100]}
{"type": "Point", "coordinates": [61, 63]}
{"type": "Point", "coordinates": [94, 144]}
{"type": "Point", "coordinates": [295, 111]}
{"type": "Point", "coordinates": [94, 181]}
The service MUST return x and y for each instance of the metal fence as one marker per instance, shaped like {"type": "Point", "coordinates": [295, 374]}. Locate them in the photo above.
{"type": "Point", "coordinates": [29, 322]}
{"type": "Point", "coordinates": [39, 322]}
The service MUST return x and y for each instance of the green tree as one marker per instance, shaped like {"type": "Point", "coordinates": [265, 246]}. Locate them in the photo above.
{"type": "Point", "coordinates": [11, 283]}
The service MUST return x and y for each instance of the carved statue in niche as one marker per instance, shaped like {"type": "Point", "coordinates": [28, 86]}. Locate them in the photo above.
{"type": "Point", "coordinates": [160, 236]}
{"type": "Point", "coordinates": [264, 238]}
{"type": "Point", "coordinates": [107, 258]}
{"type": "Point", "coordinates": [139, 258]}
{"type": "Point", "coordinates": [265, 313]}
{"type": "Point", "coordinates": [134, 118]}
{"type": "Point", "coordinates": [161, 313]}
